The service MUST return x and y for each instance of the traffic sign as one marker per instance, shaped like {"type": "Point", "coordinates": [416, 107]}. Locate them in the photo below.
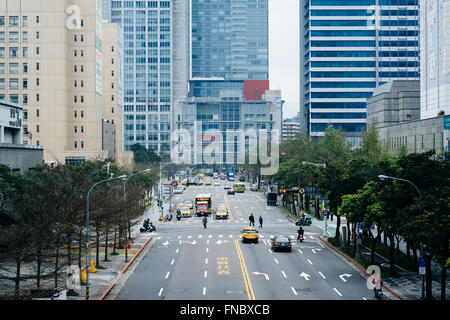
{"type": "Point", "coordinates": [325, 212]}
{"type": "Point", "coordinates": [422, 268]}
{"type": "Point", "coordinates": [174, 183]}
{"type": "Point", "coordinates": [301, 190]}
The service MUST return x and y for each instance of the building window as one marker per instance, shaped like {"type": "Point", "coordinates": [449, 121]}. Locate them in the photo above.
{"type": "Point", "coordinates": [75, 129]}
{"type": "Point", "coordinates": [75, 83]}
{"type": "Point", "coordinates": [75, 68]}
{"type": "Point", "coordinates": [82, 114]}
{"type": "Point", "coordinates": [25, 68]}
{"type": "Point", "coordinates": [75, 38]}
{"type": "Point", "coordinates": [24, 37]}
{"type": "Point", "coordinates": [2, 37]}
{"type": "Point", "coordinates": [25, 83]}
{"type": "Point", "coordinates": [2, 21]}
{"type": "Point", "coordinates": [81, 38]}
{"type": "Point", "coordinates": [37, 97]}
{"type": "Point", "coordinates": [37, 128]}
{"type": "Point", "coordinates": [13, 21]}
{"type": "Point", "coordinates": [75, 114]}
{"type": "Point", "coordinates": [82, 99]}
{"type": "Point", "coordinates": [75, 144]}
{"type": "Point", "coordinates": [37, 19]}
{"type": "Point", "coordinates": [13, 37]}
{"type": "Point", "coordinates": [82, 68]}
{"type": "Point", "coordinates": [14, 52]}
{"type": "Point", "coordinates": [82, 144]}
{"type": "Point", "coordinates": [37, 82]}
{"type": "Point", "coordinates": [37, 35]}
{"type": "Point", "coordinates": [75, 99]}
{"type": "Point", "coordinates": [37, 65]}
{"type": "Point", "coordinates": [25, 99]}
{"type": "Point", "coordinates": [74, 53]}
{"type": "Point", "coordinates": [82, 83]}
{"type": "Point", "coordinates": [2, 52]}
{"type": "Point", "coordinates": [24, 52]}
{"type": "Point", "coordinates": [112, 108]}
{"type": "Point", "coordinates": [37, 113]}
{"type": "Point", "coordinates": [24, 21]}
{"type": "Point", "coordinates": [37, 50]}
{"type": "Point", "coordinates": [82, 129]}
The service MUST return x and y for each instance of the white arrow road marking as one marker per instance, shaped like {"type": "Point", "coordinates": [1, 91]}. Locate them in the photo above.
{"type": "Point", "coordinates": [293, 290]}
{"type": "Point", "coordinates": [221, 241]}
{"type": "Point", "coordinates": [344, 275]}
{"type": "Point", "coordinates": [305, 275]}
{"type": "Point", "coordinates": [321, 275]}
{"type": "Point", "coordinates": [260, 273]}
{"type": "Point", "coordinates": [314, 250]}
{"type": "Point", "coordinates": [337, 291]}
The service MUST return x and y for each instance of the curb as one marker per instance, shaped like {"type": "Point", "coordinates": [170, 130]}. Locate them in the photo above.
{"type": "Point", "coordinates": [111, 286]}
{"type": "Point", "coordinates": [359, 266]}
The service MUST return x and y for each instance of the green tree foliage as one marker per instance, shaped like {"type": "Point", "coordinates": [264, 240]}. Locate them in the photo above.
{"type": "Point", "coordinates": [143, 155]}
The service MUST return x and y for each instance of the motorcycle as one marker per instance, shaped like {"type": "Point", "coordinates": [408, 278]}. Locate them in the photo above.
{"type": "Point", "coordinates": [377, 290]}
{"type": "Point", "coordinates": [300, 238]}
{"type": "Point", "coordinates": [178, 216]}
{"type": "Point", "coordinates": [148, 228]}
{"type": "Point", "coordinates": [303, 222]}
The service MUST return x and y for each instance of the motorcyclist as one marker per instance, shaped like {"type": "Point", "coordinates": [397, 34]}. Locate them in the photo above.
{"type": "Point", "coordinates": [178, 215]}
{"type": "Point", "coordinates": [146, 224]}
{"type": "Point", "coordinates": [300, 233]}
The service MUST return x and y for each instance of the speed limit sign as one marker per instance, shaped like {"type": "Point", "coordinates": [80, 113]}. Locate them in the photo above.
{"type": "Point", "coordinates": [174, 184]}
{"type": "Point", "coordinates": [301, 190]}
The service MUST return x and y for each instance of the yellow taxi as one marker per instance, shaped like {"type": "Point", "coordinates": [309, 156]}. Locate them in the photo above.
{"type": "Point", "coordinates": [221, 213]}
{"type": "Point", "coordinates": [185, 211]}
{"type": "Point", "coordinates": [250, 234]}
{"type": "Point", "coordinates": [207, 183]}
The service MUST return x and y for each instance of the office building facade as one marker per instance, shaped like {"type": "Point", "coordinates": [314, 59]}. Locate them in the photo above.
{"type": "Point", "coordinates": [347, 49]}
{"type": "Point", "coordinates": [435, 58]}
{"type": "Point", "coordinates": [290, 129]}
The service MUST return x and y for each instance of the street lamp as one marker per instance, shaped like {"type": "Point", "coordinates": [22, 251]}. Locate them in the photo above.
{"type": "Point", "coordinates": [125, 208]}
{"type": "Point", "coordinates": [87, 230]}
{"type": "Point", "coordinates": [324, 166]}
{"type": "Point", "coordinates": [382, 178]}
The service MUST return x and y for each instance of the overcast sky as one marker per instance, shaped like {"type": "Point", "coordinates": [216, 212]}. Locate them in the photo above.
{"type": "Point", "coordinates": [284, 52]}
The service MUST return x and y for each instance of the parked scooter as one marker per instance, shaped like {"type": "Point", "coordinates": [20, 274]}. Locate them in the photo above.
{"type": "Point", "coordinates": [377, 289]}
{"type": "Point", "coordinates": [147, 226]}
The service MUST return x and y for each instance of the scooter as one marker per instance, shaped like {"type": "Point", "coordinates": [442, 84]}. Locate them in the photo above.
{"type": "Point", "coordinates": [149, 228]}
{"type": "Point", "coordinates": [178, 216]}
{"type": "Point", "coordinates": [300, 238]}
{"type": "Point", "coordinates": [378, 292]}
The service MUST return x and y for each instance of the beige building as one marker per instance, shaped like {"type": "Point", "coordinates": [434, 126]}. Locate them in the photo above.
{"type": "Point", "coordinates": [112, 82]}
{"type": "Point", "coordinates": [52, 63]}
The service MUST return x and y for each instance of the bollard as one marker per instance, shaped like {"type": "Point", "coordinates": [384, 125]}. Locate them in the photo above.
{"type": "Point", "coordinates": [83, 274]}
{"type": "Point", "coordinates": [92, 269]}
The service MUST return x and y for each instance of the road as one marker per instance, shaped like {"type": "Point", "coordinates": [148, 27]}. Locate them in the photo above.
{"type": "Point", "coordinates": [188, 262]}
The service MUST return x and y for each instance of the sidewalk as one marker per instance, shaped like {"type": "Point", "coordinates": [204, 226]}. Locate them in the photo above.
{"type": "Point", "coordinates": [103, 281]}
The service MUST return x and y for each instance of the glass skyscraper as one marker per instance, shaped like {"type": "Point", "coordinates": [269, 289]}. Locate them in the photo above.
{"type": "Point", "coordinates": [147, 70]}
{"type": "Point", "coordinates": [347, 49]}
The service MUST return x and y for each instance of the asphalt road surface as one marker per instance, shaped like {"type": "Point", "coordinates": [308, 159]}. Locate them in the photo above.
{"type": "Point", "coordinates": [188, 262]}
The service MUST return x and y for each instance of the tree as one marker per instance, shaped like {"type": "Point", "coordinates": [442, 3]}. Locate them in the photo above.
{"type": "Point", "coordinates": [143, 155]}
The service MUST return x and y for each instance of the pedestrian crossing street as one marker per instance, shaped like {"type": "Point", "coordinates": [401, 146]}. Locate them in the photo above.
{"type": "Point", "coordinates": [263, 237]}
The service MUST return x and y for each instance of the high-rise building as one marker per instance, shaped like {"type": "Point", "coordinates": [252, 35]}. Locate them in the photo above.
{"type": "Point", "coordinates": [290, 129]}
{"type": "Point", "coordinates": [347, 49]}
{"type": "Point", "coordinates": [147, 61]}
{"type": "Point", "coordinates": [50, 61]}
{"type": "Point", "coordinates": [435, 58]}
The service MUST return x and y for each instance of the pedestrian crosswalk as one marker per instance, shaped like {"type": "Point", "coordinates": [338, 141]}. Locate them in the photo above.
{"type": "Point", "coordinates": [264, 237]}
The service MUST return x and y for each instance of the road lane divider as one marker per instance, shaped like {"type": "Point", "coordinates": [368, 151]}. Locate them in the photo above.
{"type": "Point", "coordinates": [248, 285]}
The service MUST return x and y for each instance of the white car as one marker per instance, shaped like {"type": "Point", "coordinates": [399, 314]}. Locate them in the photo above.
{"type": "Point", "coordinates": [217, 183]}
{"type": "Point", "coordinates": [227, 187]}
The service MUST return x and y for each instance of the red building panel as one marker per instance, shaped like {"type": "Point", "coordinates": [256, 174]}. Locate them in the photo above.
{"type": "Point", "coordinates": [254, 89]}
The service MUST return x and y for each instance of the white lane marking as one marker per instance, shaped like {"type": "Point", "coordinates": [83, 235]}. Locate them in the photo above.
{"type": "Point", "coordinates": [221, 236]}
{"type": "Point", "coordinates": [204, 290]}
{"type": "Point", "coordinates": [207, 249]}
{"type": "Point", "coordinates": [160, 292]}
{"type": "Point", "coordinates": [311, 237]}
{"type": "Point", "coordinates": [270, 250]}
{"type": "Point", "coordinates": [205, 274]}
{"type": "Point", "coordinates": [321, 275]}
{"type": "Point", "coordinates": [206, 261]}
{"type": "Point", "coordinates": [210, 236]}
{"type": "Point", "coordinates": [173, 260]}
{"type": "Point", "coordinates": [300, 251]}
{"type": "Point", "coordinates": [207, 241]}
{"type": "Point", "coordinates": [321, 244]}
{"type": "Point", "coordinates": [179, 237]}
{"type": "Point", "coordinates": [276, 261]}
{"type": "Point", "coordinates": [167, 274]}
{"type": "Point", "coordinates": [230, 236]}
{"type": "Point", "coordinates": [309, 261]}
{"type": "Point", "coordinates": [293, 290]}
{"type": "Point", "coordinates": [180, 241]}
{"type": "Point", "coordinates": [177, 250]}
{"type": "Point", "coordinates": [284, 274]}
{"type": "Point", "coordinates": [337, 291]}
{"type": "Point", "coordinates": [189, 237]}
{"type": "Point", "coordinates": [199, 235]}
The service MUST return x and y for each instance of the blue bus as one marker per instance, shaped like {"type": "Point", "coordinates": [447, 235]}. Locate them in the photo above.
{"type": "Point", "coordinates": [230, 175]}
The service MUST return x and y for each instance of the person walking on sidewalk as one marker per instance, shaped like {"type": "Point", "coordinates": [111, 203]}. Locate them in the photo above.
{"type": "Point", "coordinates": [260, 221]}
{"type": "Point", "coordinates": [251, 218]}
{"type": "Point", "coordinates": [205, 221]}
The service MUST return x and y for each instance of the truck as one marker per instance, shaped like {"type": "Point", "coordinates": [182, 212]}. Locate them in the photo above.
{"type": "Point", "coordinates": [203, 204]}
{"type": "Point", "coordinates": [230, 175]}
{"type": "Point", "coordinates": [272, 199]}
